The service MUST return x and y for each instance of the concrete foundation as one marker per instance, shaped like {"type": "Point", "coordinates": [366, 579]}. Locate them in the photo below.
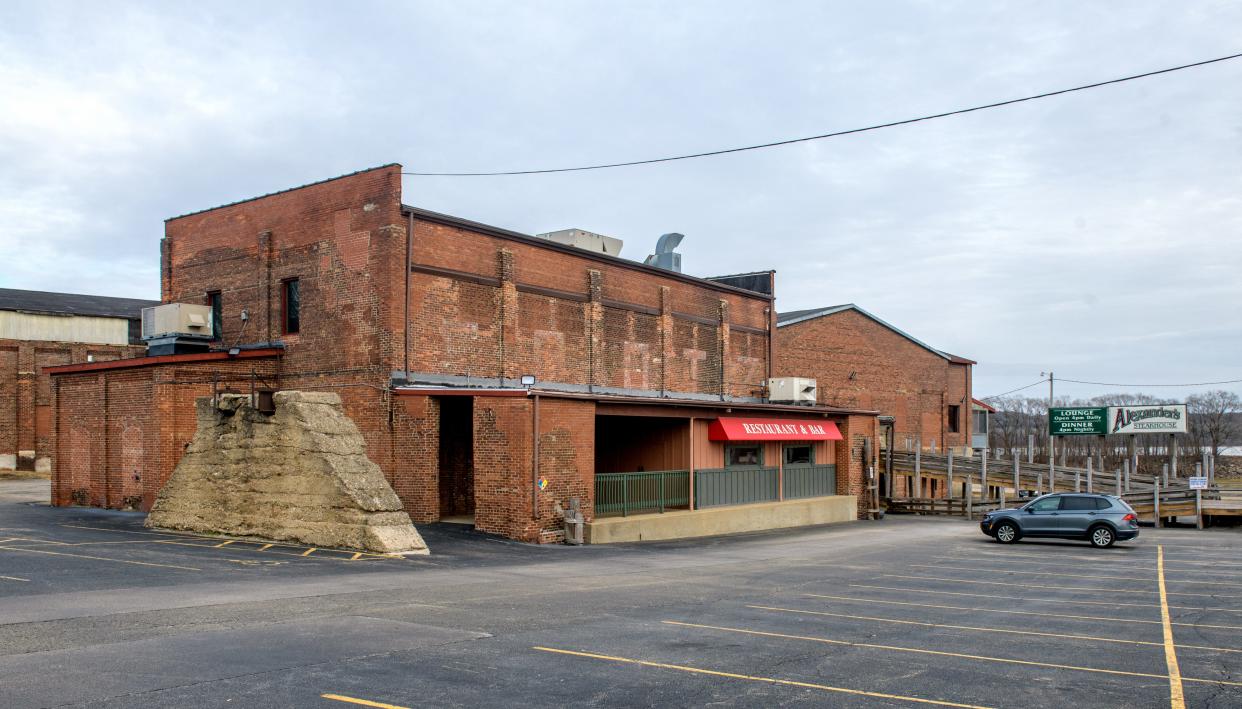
{"type": "Point", "coordinates": [684, 524]}
{"type": "Point", "coordinates": [300, 474]}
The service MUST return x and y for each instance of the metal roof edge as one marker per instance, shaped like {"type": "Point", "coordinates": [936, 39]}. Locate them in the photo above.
{"type": "Point", "coordinates": [851, 306]}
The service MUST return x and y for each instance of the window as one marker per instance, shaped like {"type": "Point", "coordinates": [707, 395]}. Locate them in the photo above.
{"type": "Point", "coordinates": [1046, 504]}
{"type": "Point", "coordinates": [741, 455]}
{"type": "Point", "coordinates": [291, 306]}
{"type": "Point", "coordinates": [954, 418]}
{"type": "Point", "coordinates": [216, 302]}
{"type": "Point", "coordinates": [981, 422]}
{"type": "Point", "coordinates": [1102, 503]}
{"type": "Point", "coordinates": [799, 454]}
{"type": "Point", "coordinates": [1078, 504]}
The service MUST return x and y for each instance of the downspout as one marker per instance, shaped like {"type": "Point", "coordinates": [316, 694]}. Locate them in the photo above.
{"type": "Point", "coordinates": [405, 325]}
{"type": "Point", "coordinates": [534, 467]}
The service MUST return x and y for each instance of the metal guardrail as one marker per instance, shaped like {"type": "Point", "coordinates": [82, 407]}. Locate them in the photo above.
{"type": "Point", "coordinates": [809, 481]}
{"type": "Point", "coordinates": [655, 491]}
{"type": "Point", "coordinates": [717, 487]}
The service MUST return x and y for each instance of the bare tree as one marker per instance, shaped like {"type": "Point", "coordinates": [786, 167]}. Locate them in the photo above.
{"type": "Point", "coordinates": [1215, 418]}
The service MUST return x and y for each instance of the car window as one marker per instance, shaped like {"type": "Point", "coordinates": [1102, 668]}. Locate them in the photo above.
{"type": "Point", "coordinates": [1102, 503]}
{"type": "Point", "coordinates": [1078, 504]}
{"type": "Point", "coordinates": [1048, 504]}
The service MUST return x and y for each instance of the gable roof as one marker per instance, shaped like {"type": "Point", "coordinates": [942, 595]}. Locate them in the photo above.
{"type": "Point", "coordinates": [794, 317]}
{"type": "Point", "coordinates": [102, 306]}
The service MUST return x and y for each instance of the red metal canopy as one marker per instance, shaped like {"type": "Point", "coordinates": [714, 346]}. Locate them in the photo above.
{"type": "Point", "coordinates": [738, 429]}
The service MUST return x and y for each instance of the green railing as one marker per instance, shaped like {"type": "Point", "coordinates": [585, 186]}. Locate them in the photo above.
{"type": "Point", "coordinates": [716, 487]}
{"type": "Point", "coordinates": [627, 493]}
{"type": "Point", "coordinates": [810, 481]}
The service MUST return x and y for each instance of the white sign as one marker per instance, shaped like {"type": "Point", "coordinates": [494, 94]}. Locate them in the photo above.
{"type": "Point", "coordinates": [1161, 418]}
{"type": "Point", "coordinates": [1198, 482]}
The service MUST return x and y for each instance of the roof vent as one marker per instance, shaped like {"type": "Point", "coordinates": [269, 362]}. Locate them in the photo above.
{"type": "Point", "coordinates": [665, 257]}
{"type": "Point", "coordinates": [583, 239]}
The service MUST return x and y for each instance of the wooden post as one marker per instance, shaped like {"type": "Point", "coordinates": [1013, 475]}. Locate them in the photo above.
{"type": "Point", "coordinates": [1198, 499]}
{"type": "Point", "coordinates": [983, 476]}
{"type": "Point", "coordinates": [1173, 455]}
{"type": "Point", "coordinates": [1125, 469]}
{"type": "Point", "coordinates": [1077, 481]}
{"type": "Point", "coordinates": [1155, 498]}
{"type": "Point", "coordinates": [970, 497]}
{"type": "Point", "coordinates": [1030, 447]}
{"type": "Point", "coordinates": [1118, 474]}
{"type": "Point", "coordinates": [1090, 484]}
{"type": "Point", "coordinates": [1164, 473]}
{"type": "Point", "coordinates": [918, 470]}
{"type": "Point", "coordinates": [1017, 482]}
{"type": "Point", "coordinates": [949, 477]}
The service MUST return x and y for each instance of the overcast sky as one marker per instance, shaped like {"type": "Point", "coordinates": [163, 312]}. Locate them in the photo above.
{"type": "Point", "coordinates": [1096, 234]}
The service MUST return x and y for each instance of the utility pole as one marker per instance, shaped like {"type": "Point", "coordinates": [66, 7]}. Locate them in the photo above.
{"type": "Point", "coordinates": [1052, 465]}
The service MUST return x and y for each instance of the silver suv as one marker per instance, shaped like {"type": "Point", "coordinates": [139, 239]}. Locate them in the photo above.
{"type": "Point", "coordinates": [1099, 519]}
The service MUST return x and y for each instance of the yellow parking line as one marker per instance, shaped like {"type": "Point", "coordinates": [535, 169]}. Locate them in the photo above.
{"type": "Point", "coordinates": [308, 551]}
{"type": "Point", "coordinates": [752, 678]}
{"type": "Point", "coordinates": [1072, 589]}
{"type": "Point", "coordinates": [1177, 699]}
{"type": "Point", "coordinates": [1042, 600]}
{"type": "Point", "coordinates": [983, 658]}
{"type": "Point", "coordinates": [265, 547]}
{"type": "Point", "coordinates": [1044, 615]}
{"type": "Point", "coordinates": [357, 555]}
{"type": "Point", "coordinates": [1029, 572]}
{"type": "Point", "coordinates": [224, 544]}
{"type": "Point", "coordinates": [1120, 564]}
{"type": "Point", "coordinates": [14, 578]}
{"type": "Point", "coordinates": [362, 702]}
{"type": "Point", "coordinates": [101, 558]}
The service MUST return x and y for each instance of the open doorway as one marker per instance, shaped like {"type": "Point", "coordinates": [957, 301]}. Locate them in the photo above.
{"type": "Point", "coordinates": [456, 463]}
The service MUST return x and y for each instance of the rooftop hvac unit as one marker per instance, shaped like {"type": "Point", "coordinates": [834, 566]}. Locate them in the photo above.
{"type": "Point", "coordinates": [791, 390]}
{"type": "Point", "coordinates": [176, 328]}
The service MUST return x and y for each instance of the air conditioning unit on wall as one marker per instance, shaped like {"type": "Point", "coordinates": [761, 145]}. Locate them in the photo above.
{"type": "Point", "coordinates": [176, 320]}
{"type": "Point", "coordinates": [791, 390]}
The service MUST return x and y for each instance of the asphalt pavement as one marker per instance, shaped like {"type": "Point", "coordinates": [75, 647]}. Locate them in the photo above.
{"type": "Point", "coordinates": [95, 610]}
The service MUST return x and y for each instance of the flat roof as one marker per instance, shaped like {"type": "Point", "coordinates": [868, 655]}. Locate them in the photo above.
{"type": "Point", "coordinates": [46, 302]}
{"type": "Point", "coordinates": [134, 362]}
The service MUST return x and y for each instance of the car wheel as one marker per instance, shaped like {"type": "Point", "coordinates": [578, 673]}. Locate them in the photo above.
{"type": "Point", "coordinates": [1006, 533]}
{"type": "Point", "coordinates": [1101, 536]}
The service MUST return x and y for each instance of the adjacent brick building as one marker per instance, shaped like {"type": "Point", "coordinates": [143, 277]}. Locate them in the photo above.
{"type": "Point", "coordinates": [493, 374]}
{"type": "Point", "coordinates": [39, 330]}
{"type": "Point", "coordinates": [861, 361]}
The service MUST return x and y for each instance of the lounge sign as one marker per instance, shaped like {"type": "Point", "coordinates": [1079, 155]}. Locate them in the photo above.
{"type": "Point", "coordinates": [740, 429]}
{"type": "Point", "coordinates": [1161, 418]}
{"type": "Point", "coordinates": [1080, 421]}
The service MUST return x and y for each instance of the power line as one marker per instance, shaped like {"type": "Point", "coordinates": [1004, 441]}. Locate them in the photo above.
{"type": "Point", "coordinates": [1112, 384]}
{"type": "Point", "coordinates": [1011, 391]}
{"type": "Point", "coordinates": [835, 134]}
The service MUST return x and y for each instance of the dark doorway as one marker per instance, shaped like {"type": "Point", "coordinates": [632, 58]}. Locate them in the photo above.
{"type": "Point", "coordinates": [456, 456]}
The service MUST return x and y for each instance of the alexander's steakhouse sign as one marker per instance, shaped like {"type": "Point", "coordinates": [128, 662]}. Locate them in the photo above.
{"type": "Point", "coordinates": [1100, 420]}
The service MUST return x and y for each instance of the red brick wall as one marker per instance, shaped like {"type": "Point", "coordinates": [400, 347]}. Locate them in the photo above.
{"type": "Point", "coordinates": [119, 433]}
{"type": "Point", "coordinates": [25, 394]}
{"type": "Point", "coordinates": [892, 375]}
{"type": "Point", "coordinates": [485, 306]}
{"type": "Point", "coordinates": [503, 464]}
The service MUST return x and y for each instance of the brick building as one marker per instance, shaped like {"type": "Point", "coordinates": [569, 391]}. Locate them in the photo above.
{"type": "Point", "coordinates": [861, 361]}
{"type": "Point", "coordinates": [40, 330]}
{"type": "Point", "coordinates": [494, 375]}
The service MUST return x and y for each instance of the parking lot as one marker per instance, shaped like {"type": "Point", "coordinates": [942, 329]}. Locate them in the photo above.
{"type": "Point", "coordinates": [95, 610]}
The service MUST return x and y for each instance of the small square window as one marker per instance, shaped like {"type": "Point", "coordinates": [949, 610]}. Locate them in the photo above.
{"type": "Point", "coordinates": [799, 454]}
{"type": "Point", "coordinates": [743, 455]}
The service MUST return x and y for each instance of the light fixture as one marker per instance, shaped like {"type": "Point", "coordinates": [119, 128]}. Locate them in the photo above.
{"type": "Point", "coordinates": [528, 380]}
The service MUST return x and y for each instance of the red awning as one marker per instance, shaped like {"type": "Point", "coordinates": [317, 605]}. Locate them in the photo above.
{"type": "Point", "coordinates": [732, 429]}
